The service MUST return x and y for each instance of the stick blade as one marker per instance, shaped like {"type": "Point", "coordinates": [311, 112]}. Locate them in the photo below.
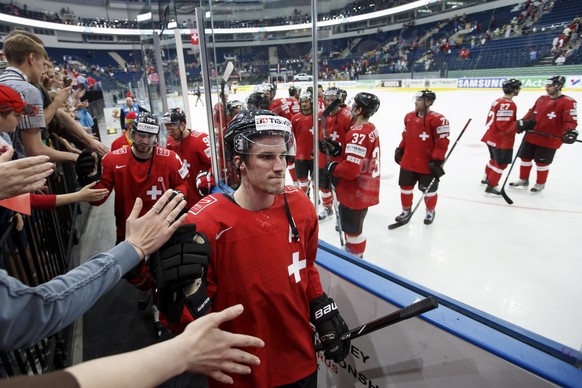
{"type": "Point", "coordinates": [331, 107]}
{"type": "Point", "coordinates": [506, 197]}
{"type": "Point", "coordinates": [398, 224]}
{"type": "Point", "coordinates": [228, 71]}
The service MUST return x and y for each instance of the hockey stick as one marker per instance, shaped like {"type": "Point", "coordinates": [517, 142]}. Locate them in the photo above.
{"type": "Point", "coordinates": [227, 72]}
{"type": "Point", "coordinates": [413, 310]}
{"type": "Point", "coordinates": [398, 224]}
{"type": "Point", "coordinates": [338, 224]}
{"type": "Point", "coordinates": [551, 135]}
{"type": "Point", "coordinates": [502, 191]}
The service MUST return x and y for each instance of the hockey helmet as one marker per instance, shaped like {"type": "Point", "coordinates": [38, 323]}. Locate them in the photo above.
{"type": "Point", "coordinates": [146, 122]}
{"type": "Point", "coordinates": [258, 100]}
{"type": "Point", "coordinates": [249, 126]}
{"type": "Point", "coordinates": [511, 85]}
{"type": "Point", "coordinates": [425, 95]}
{"type": "Point", "coordinates": [174, 116]}
{"type": "Point", "coordinates": [293, 91]}
{"type": "Point", "coordinates": [368, 102]}
{"type": "Point", "coordinates": [232, 105]}
{"type": "Point", "coordinates": [557, 80]}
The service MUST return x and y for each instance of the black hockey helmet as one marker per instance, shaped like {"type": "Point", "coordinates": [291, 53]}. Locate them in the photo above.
{"type": "Point", "coordinates": [146, 122]}
{"type": "Point", "coordinates": [368, 102]}
{"type": "Point", "coordinates": [557, 80]}
{"type": "Point", "coordinates": [175, 116]}
{"type": "Point", "coordinates": [232, 105]}
{"type": "Point", "coordinates": [293, 91]}
{"type": "Point", "coordinates": [426, 94]}
{"type": "Point", "coordinates": [249, 126]}
{"type": "Point", "coordinates": [258, 100]}
{"type": "Point", "coordinates": [511, 85]}
{"type": "Point", "coordinates": [343, 95]}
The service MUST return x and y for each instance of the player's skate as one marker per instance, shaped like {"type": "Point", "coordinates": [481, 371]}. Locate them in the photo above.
{"type": "Point", "coordinates": [492, 190]}
{"type": "Point", "coordinates": [429, 218]}
{"type": "Point", "coordinates": [484, 180]}
{"type": "Point", "coordinates": [325, 214]}
{"type": "Point", "coordinates": [143, 299]}
{"type": "Point", "coordinates": [404, 216]}
{"type": "Point", "coordinates": [538, 187]}
{"type": "Point", "coordinates": [520, 183]}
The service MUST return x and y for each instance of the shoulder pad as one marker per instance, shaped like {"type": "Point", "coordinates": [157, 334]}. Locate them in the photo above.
{"type": "Point", "coordinates": [162, 151]}
{"type": "Point", "coordinates": [122, 150]}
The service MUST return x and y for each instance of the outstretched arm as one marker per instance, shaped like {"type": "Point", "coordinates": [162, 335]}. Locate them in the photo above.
{"type": "Point", "coordinates": [203, 348]}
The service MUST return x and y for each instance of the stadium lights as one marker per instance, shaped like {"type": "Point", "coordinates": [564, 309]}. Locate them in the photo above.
{"type": "Point", "coordinates": [187, 31]}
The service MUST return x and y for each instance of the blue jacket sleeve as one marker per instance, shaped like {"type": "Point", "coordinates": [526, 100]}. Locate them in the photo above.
{"type": "Point", "coordinates": [29, 314]}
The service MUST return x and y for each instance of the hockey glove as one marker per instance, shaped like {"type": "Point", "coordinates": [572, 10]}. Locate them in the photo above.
{"type": "Point", "coordinates": [88, 167]}
{"type": "Point", "coordinates": [180, 270]}
{"type": "Point", "coordinates": [436, 166]}
{"type": "Point", "coordinates": [398, 154]}
{"type": "Point", "coordinates": [205, 182]}
{"type": "Point", "coordinates": [330, 168]}
{"type": "Point", "coordinates": [525, 125]}
{"type": "Point", "coordinates": [570, 136]}
{"type": "Point", "coordinates": [330, 326]}
{"type": "Point", "coordinates": [330, 147]}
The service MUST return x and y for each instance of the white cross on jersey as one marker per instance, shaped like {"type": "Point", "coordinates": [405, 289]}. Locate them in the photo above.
{"type": "Point", "coordinates": [297, 266]}
{"type": "Point", "coordinates": [186, 164]}
{"type": "Point", "coordinates": [551, 115]}
{"type": "Point", "coordinates": [334, 135]}
{"type": "Point", "coordinates": [154, 192]}
{"type": "Point", "coordinates": [424, 136]}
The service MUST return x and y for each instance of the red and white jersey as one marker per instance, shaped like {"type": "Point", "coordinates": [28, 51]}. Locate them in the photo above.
{"type": "Point", "coordinates": [500, 126]}
{"type": "Point", "coordinates": [120, 141]}
{"type": "Point", "coordinates": [302, 127]}
{"type": "Point", "coordinates": [256, 262]}
{"type": "Point", "coordinates": [359, 169]}
{"type": "Point", "coordinates": [194, 150]}
{"type": "Point", "coordinates": [554, 116]}
{"type": "Point", "coordinates": [286, 107]}
{"type": "Point", "coordinates": [218, 117]}
{"type": "Point", "coordinates": [424, 139]}
{"type": "Point", "coordinates": [147, 179]}
{"type": "Point", "coordinates": [336, 128]}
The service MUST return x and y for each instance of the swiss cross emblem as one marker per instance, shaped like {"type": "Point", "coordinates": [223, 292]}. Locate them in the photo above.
{"type": "Point", "coordinates": [265, 120]}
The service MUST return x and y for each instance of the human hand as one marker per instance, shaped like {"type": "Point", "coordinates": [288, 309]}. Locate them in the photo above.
{"type": "Point", "coordinates": [525, 125]}
{"type": "Point", "coordinates": [436, 166]}
{"type": "Point", "coordinates": [208, 350]}
{"type": "Point", "coordinates": [88, 194]}
{"type": "Point", "coordinates": [150, 231]}
{"type": "Point", "coordinates": [205, 183]}
{"type": "Point", "coordinates": [23, 175]}
{"type": "Point", "coordinates": [61, 96]}
{"type": "Point", "coordinates": [330, 326]}
{"type": "Point", "coordinates": [570, 136]}
{"type": "Point", "coordinates": [398, 154]}
{"type": "Point", "coordinates": [18, 222]}
{"type": "Point", "coordinates": [97, 146]}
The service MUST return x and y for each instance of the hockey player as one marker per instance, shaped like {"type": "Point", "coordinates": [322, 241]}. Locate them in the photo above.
{"type": "Point", "coordinates": [337, 124]}
{"type": "Point", "coordinates": [358, 186]}
{"type": "Point", "coordinates": [142, 170]}
{"type": "Point", "coordinates": [500, 135]}
{"type": "Point", "coordinates": [193, 148]}
{"type": "Point", "coordinates": [258, 100]}
{"type": "Point", "coordinates": [302, 125]}
{"type": "Point", "coordinates": [262, 242]}
{"type": "Point", "coordinates": [286, 106]}
{"type": "Point", "coordinates": [124, 139]}
{"type": "Point", "coordinates": [553, 119]}
{"type": "Point", "coordinates": [421, 154]}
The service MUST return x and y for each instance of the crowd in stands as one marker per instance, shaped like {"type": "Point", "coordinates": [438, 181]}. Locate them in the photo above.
{"type": "Point", "coordinates": [567, 43]}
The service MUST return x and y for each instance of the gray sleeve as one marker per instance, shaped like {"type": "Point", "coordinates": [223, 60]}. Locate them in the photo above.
{"type": "Point", "coordinates": [28, 314]}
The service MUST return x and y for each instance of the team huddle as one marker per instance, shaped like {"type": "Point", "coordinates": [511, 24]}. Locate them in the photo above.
{"type": "Point", "coordinates": [256, 244]}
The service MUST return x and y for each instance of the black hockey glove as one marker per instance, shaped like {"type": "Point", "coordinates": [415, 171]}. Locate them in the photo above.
{"type": "Point", "coordinates": [180, 271]}
{"type": "Point", "coordinates": [88, 167]}
{"type": "Point", "coordinates": [398, 154]}
{"type": "Point", "coordinates": [330, 147]}
{"type": "Point", "coordinates": [570, 136]}
{"type": "Point", "coordinates": [436, 166]}
{"type": "Point", "coordinates": [330, 326]}
{"type": "Point", "coordinates": [330, 168]}
{"type": "Point", "coordinates": [205, 183]}
{"type": "Point", "coordinates": [525, 125]}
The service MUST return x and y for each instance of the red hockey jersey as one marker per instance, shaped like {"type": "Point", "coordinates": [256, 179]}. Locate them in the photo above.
{"type": "Point", "coordinates": [500, 126]}
{"type": "Point", "coordinates": [147, 179]}
{"type": "Point", "coordinates": [256, 262]}
{"type": "Point", "coordinates": [302, 127]}
{"type": "Point", "coordinates": [554, 116]}
{"type": "Point", "coordinates": [359, 169]}
{"type": "Point", "coordinates": [286, 107]}
{"type": "Point", "coordinates": [424, 139]}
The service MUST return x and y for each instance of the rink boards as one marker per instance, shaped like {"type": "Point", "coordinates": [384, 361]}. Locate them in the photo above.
{"type": "Point", "coordinates": [451, 346]}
